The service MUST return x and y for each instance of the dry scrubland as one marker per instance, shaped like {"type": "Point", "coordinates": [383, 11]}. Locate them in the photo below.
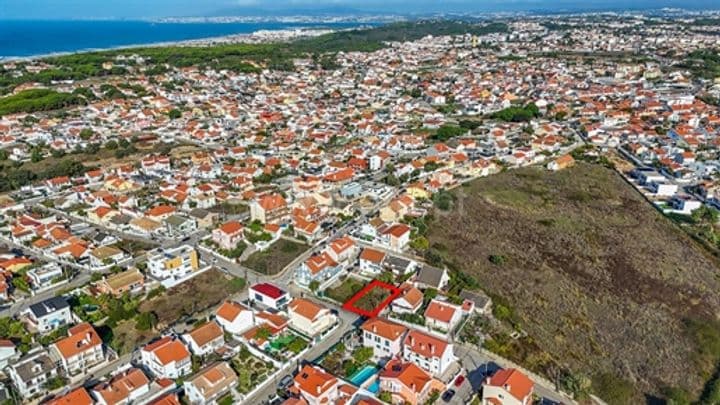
{"type": "Point", "coordinates": [600, 280]}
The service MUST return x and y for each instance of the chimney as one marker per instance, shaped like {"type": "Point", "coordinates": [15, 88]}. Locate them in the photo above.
{"type": "Point", "coordinates": [432, 348]}
{"type": "Point", "coordinates": [374, 329]}
{"type": "Point", "coordinates": [412, 341]}
{"type": "Point", "coordinates": [318, 389]}
{"type": "Point", "coordinates": [507, 387]}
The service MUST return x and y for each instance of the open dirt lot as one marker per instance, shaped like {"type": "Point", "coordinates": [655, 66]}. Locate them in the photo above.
{"type": "Point", "coordinates": [599, 279]}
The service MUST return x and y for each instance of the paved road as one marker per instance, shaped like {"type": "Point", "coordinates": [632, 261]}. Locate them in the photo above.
{"type": "Point", "coordinates": [478, 365]}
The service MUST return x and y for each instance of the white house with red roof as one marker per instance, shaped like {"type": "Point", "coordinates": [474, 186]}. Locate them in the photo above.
{"type": "Point", "coordinates": [320, 267]}
{"type": "Point", "coordinates": [384, 337]}
{"type": "Point", "coordinates": [316, 386]}
{"type": "Point", "coordinates": [167, 357]}
{"type": "Point", "coordinates": [81, 350]}
{"type": "Point", "coordinates": [428, 352]}
{"type": "Point", "coordinates": [342, 250]}
{"type": "Point", "coordinates": [228, 235]}
{"type": "Point", "coordinates": [309, 318]}
{"type": "Point", "coordinates": [507, 387]}
{"type": "Point", "coordinates": [269, 295]}
{"type": "Point", "coordinates": [442, 315]}
{"type": "Point", "coordinates": [234, 317]}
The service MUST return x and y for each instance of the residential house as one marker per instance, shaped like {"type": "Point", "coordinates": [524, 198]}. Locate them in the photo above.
{"type": "Point", "coordinates": [78, 396]}
{"type": "Point", "coordinates": [396, 236]}
{"type": "Point", "coordinates": [106, 256]}
{"type": "Point", "coordinates": [167, 357]}
{"type": "Point", "coordinates": [342, 250]}
{"type": "Point", "coordinates": [122, 389]}
{"type": "Point", "coordinates": [432, 277]}
{"type": "Point", "coordinates": [8, 353]}
{"type": "Point", "coordinates": [560, 163]}
{"type": "Point", "coordinates": [130, 281]}
{"type": "Point", "coordinates": [428, 352]}
{"type": "Point", "coordinates": [205, 339]}
{"type": "Point", "coordinates": [309, 318]}
{"type": "Point", "coordinates": [319, 267]}
{"type": "Point", "coordinates": [407, 383]}
{"type": "Point", "coordinates": [235, 318]}
{"type": "Point", "coordinates": [210, 384]}
{"type": "Point", "coordinates": [31, 372]}
{"type": "Point", "coordinates": [270, 208]}
{"type": "Point", "coordinates": [507, 387]}
{"type": "Point", "coordinates": [409, 301]}
{"type": "Point", "coordinates": [269, 295]}
{"type": "Point", "coordinates": [50, 314]}
{"type": "Point", "coordinates": [80, 351]}
{"type": "Point", "coordinates": [384, 337]}
{"type": "Point", "coordinates": [442, 315]}
{"type": "Point", "coordinates": [371, 261]}
{"type": "Point", "coordinates": [172, 266]}
{"type": "Point", "coordinates": [228, 235]}
{"type": "Point", "coordinates": [316, 386]}
{"type": "Point", "coordinates": [45, 276]}
{"type": "Point", "coordinates": [180, 225]}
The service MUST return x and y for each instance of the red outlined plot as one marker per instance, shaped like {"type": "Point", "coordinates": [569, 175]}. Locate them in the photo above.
{"type": "Point", "coordinates": [349, 305]}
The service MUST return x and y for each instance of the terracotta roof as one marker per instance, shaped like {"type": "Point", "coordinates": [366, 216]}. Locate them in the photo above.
{"type": "Point", "coordinates": [206, 333]}
{"type": "Point", "coordinates": [305, 308]}
{"type": "Point", "coordinates": [410, 375]}
{"type": "Point", "coordinates": [81, 338]}
{"type": "Point", "coordinates": [385, 328]}
{"type": "Point", "coordinates": [168, 350]}
{"type": "Point", "coordinates": [372, 255]}
{"type": "Point", "coordinates": [424, 344]}
{"type": "Point", "coordinates": [313, 381]}
{"type": "Point", "coordinates": [440, 311]}
{"type": "Point", "coordinates": [119, 388]}
{"type": "Point", "coordinates": [514, 382]}
{"type": "Point", "coordinates": [229, 310]}
{"type": "Point", "coordinates": [78, 396]}
{"type": "Point", "coordinates": [231, 227]}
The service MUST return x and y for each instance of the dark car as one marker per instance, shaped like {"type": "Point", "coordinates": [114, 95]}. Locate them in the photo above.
{"type": "Point", "coordinates": [285, 382]}
{"type": "Point", "coordinates": [447, 396]}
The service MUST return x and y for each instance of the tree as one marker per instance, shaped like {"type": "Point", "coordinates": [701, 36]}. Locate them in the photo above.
{"type": "Point", "coordinates": [429, 294]}
{"type": "Point", "coordinates": [362, 354]}
{"type": "Point", "coordinates": [174, 114]}
{"type": "Point", "coordinates": [263, 333]}
{"type": "Point", "coordinates": [36, 155]}
{"type": "Point", "coordinates": [314, 285]}
{"type": "Point", "coordinates": [111, 144]}
{"type": "Point", "coordinates": [86, 134]}
{"type": "Point", "coordinates": [145, 321]}
{"type": "Point", "coordinates": [4, 154]}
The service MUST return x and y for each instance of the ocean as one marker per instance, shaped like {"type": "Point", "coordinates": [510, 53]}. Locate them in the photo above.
{"type": "Point", "coordinates": [21, 38]}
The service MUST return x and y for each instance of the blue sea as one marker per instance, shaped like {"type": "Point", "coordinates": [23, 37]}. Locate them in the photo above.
{"type": "Point", "coordinates": [20, 38]}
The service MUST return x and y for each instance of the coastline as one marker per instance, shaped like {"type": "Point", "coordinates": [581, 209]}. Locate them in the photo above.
{"type": "Point", "coordinates": [256, 37]}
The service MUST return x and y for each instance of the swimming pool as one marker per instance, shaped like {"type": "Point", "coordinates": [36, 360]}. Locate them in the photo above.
{"type": "Point", "coordinates": [374, 387]}
{"type": "Point", "coordinates": [363, 375]}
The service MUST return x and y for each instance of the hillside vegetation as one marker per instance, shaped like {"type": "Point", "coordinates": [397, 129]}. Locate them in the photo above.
{"type": "Point", "coordinates": [603, 284]}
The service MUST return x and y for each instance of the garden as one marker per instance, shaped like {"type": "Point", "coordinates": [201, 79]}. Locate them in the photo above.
{"type": "Point", "coordinates": [345, 363]}
{"type": "Point", "coordinates": [251, 370]}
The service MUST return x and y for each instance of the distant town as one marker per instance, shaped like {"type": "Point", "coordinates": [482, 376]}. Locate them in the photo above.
{"type": "Point", "coordinates": [248, 230]}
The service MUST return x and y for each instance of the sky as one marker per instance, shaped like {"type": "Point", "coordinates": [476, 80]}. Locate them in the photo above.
{"type": "Point", "coordinates": [133, 9]}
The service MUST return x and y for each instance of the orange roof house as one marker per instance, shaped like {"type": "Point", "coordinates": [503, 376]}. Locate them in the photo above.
{"type": "Point", "coordinates": [508, 383]}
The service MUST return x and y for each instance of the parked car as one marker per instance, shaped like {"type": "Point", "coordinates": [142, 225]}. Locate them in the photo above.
{"type": "Point", "coordinates": [459, 380]}
{"type": "Point", "coordinates": [447, 396]}
{"type": "Point", "coordinates": [285, 382]}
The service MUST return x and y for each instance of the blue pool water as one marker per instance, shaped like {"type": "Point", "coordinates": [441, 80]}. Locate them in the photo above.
{"type": "Point", "coordinates": [374, 387]}
{"type": "Point", "coordinates": [363, 375]}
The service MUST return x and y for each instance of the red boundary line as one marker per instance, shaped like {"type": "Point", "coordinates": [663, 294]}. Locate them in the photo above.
{"type": "Point", "coordinates": [349, 305]}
